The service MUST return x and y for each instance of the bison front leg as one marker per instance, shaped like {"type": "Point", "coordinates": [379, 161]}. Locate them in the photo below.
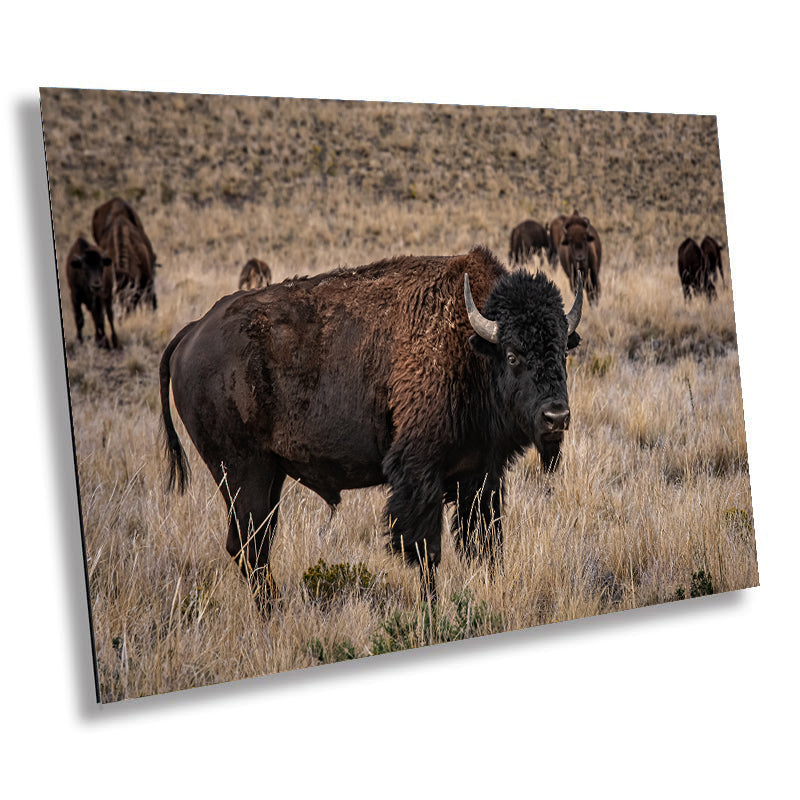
{"type": "Point", "coordinates": [76, 307]}
{"type": "Point", "coordinates": [414, 517]}
{"type": "Point", "coordinates": [110, 314]}
{"type": "Point", "coordinates": [99, 323]}
{"type": "Point", "coordinates": [476, 523]}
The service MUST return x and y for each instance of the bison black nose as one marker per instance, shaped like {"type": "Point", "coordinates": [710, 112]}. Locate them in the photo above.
{"type": "Point", "coordinates": [556, 418]}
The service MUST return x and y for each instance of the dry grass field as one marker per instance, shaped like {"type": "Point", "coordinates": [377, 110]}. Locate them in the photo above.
{"type": "Point", "coordinates": [652, 501]}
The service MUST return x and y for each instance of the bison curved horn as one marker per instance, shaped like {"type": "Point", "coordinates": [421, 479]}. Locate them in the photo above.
{"type": "Point", "coordinates": [586, 220]}
{"type": "Point", "coordinates": [574, 316]}
{"type": "Point", "coordinates": [485, 328]}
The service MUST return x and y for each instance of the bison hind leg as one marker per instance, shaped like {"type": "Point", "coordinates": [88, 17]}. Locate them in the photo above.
{"type": "Point", "coordinates": [253, 496]}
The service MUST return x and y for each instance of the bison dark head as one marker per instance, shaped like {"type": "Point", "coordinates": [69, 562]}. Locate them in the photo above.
{"type": "Point", "coordinates": [577, 238]}
{"type": "Point", "coordinates": [92, 263]}
{"type": "Point", "coordinates": [525, 334]}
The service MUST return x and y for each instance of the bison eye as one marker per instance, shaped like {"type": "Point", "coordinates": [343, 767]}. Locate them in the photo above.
{"type": "Point", "coordinates": [513, 359]}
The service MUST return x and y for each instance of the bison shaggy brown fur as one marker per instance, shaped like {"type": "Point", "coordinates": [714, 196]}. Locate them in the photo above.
{"type": "Point", "coordinates": [133, 264]}
{"type": "Point", "coordinates": [712, 250]}
{"type": "Point", "coordinates": [580, 250]}
{"type": "Point", "coordinates": [117, 208]}
{"type": "Point", "coordinates": [255, 274]}
{"type": "Point", "coordinates": [527, 239]}
{"type": "Point", "coordinates": [694, 272]}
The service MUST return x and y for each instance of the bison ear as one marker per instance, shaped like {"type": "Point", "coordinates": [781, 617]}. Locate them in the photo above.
{"type": "Point", "coordinates": [589, 237]}
{"type": "Point", "coordinates": [573, 340]}
{"type": "Point", "coordinates": [480, 345]}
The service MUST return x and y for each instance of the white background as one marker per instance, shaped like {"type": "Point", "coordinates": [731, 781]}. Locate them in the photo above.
{"type": "Point", "coordinates": [693, 699]}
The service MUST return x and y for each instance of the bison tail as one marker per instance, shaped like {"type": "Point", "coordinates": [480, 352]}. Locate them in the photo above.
{"type": "Point", "coordinates": [178, 463]}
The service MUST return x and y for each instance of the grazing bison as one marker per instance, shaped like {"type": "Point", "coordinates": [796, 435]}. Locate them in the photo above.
{"type": "Point", "coordinates": [555, 233]}
{"type": "Point", "coordinates": [527, 239]}
{"type": "Point", "coordinates": [368, 376]}
{"type": "Point", "coordinates": [694, 272]}
{"type": "Point", "coordinates": [712, 250]}
{"type": "Point", "coordinates": [91, 284]}
{"type": "Point", "coordinates": [114, 209]}
{"type": "Point", "coordinates": [580, 251]}
{"type": "Point", "coordinates": [133, 263]}
{"type": "Point", "coordinates": [255, 274]}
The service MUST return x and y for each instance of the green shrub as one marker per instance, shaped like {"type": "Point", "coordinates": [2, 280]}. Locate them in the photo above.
{"type": "Point", "coordinates": [198, 602]}
{"type": "Point", "coordinates": [324, 583]}
{"type": "Point", "coordinates": [331, 653]}
{"type": "Point", "coordinates": [701, 584]}
{"type": "Point", "coordinates": [404, 631]}
{"type": "Point", "coordinates": [601, 365]}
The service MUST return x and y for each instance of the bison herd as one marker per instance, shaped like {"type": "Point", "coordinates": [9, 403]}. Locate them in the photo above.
{"type": "Point", "coordinates": [698, 265]}
{"type": "Point", "coordinates": [572, 240]}
{"type": "Point", "coordinates": [121, 265]}
{"type": "Point", "coordinates": [428, 374]}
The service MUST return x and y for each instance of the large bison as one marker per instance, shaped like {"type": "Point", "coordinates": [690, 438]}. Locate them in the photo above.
{"type": "Point", "coordinates": [114, 209]}
{"type": "Point", "coordinates": [133, 263]}
{"type": "Point", "coordinates": [580, 251]}
{"type": "Point", "coordinates": [254, 275]}
{"type": "Point", "coordinates": [91, 284]}
{"type": "Point", "coordinates": [527, 239]}
{"type": "Point", "coordinates": [386, 373]}
{"type": "Point", "coordinates": [712, 250]}
{"type": "Point", "coordinates": [693, 269]}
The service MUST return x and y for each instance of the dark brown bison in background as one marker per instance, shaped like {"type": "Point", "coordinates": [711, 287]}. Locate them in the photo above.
{"type": "Point", "coordinates": [712, 251]}
{"type": "Point", "coordinates": [114, 209]}
{"type": "Point", "coordinates": [255, 274]}
{"type": "Point", "coordinates": [580, 251]}
{"type": "Point", "coordinates": [133, 263]}
{"type": "Point", "coordinates": [527, 239]}
{"type": "Point", "coordinates": [386, 373]}
{"type": "Point", "coordinates": [91, 284]}
{"type": "Point", "coordinates": [555, 233]}
{"type": "Point", "coordinates": [694, 272]}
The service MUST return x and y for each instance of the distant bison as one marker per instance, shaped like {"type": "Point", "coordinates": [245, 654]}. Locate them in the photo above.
{"type": "Point", "coordinates": [133, 263]}
{"type": "Point", "coordinates": [555, 233]}
{"type": "Point", "coordinates": [527, 239]}
{"type": "Point", "coordinates": [386, 373]}
{"type": "Point", "coordinates": [91, 284]}
{"type": "Point", "coordinates": [114, 209]}
{"type": "Point", "coordinates": [580, 251]}
{"type": "Point", "coordinates": [694, 271]}
{"type": "Point", "coordinates": [255, 275]}
{"type": "Point", "coordinates": [712, 250]}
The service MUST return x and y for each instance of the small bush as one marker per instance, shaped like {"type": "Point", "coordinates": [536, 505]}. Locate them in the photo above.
{"type": "Point", "coordinates": [701, 584]}
{"type": "Point", "coordinates": [324, 583]}
{"type": "Point", "coordinates": [331, 653]}
{"type": "Point", "coordinates": [198, 602]}
{"type": "Point", "coordinates": [739, 520]}
{"type": "Point", "coordinates": [402, 632]}
{"type": "Point", "coordinates": [601, 365]}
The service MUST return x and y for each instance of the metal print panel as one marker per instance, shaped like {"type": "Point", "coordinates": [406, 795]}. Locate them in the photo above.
{"type": "Point", "coordinates": [348, 378]}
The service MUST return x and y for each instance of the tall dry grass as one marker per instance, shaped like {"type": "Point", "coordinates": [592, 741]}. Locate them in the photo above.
{"type": "Point", "coordinates": [654, 485]}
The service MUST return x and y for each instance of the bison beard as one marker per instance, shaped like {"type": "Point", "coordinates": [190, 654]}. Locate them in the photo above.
{"type": "Point", "coordinates": [368, 376]}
